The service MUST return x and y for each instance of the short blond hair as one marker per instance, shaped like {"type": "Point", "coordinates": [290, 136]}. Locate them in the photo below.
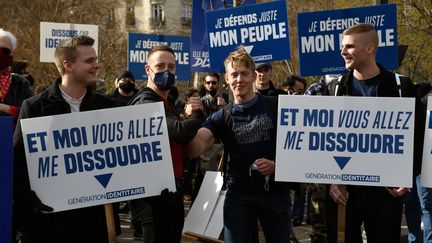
{"type": "Point", "coordinates": [67, 50]}
{"type": "Point", "coordinates": [363, 28]}
{"type": "Point", "coordinates": [240, 56]}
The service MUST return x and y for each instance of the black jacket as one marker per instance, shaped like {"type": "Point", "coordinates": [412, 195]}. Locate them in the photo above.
{"type": "Point", "coordinates": [19, 90]}
{"type": "Point", "coordinates": [123, 99]}
{"type": "Point", "coordinates": [389, 88]}
{"type": "Point", "coordinates": [271, 91]}
{"type": "Point", "coordinates": [66, 226]}
{"type": "Point", "coordinates": [181, 132]}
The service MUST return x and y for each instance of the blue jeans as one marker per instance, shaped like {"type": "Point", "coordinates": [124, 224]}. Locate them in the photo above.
{"type": "Point", "coordinates": [425, 196]}
{"type": "Point", "coordinates": [413, 215]}
{"type": "Point", "coordinates": [242, 212]}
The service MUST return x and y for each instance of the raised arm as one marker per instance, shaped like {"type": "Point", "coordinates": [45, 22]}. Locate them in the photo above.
{"type": "Point", "coordinates": [203, 139]}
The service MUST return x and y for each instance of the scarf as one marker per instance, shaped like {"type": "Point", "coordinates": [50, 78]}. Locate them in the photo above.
{"type": "Point", "coordinates": [5, 80]}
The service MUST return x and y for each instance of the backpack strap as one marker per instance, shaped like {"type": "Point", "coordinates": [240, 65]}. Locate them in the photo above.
{"type": "Point", "coordinates": [272, 103]}
{"type": "Point", "coordinates": [398, 83]}
{"type": "Point", "coordinates": [337, 85]}
{"type": "Point", "coordinates": [227, 110]}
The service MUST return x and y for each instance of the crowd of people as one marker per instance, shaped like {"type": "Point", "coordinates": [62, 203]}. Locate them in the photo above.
{"type": "Point", "coordinates": [211, 131]}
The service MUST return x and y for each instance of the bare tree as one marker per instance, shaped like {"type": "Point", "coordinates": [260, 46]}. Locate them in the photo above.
{"type": "Point", "coordinates": [23, 18]}
{"type": "Point", "coordinates": [415, 30]}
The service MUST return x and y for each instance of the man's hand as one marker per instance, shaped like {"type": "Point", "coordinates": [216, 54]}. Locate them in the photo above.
{"type": "Point", "coordinates": [265, 166]}
{"type": "Point", "coordinates": [5, 109]}
{"type": "Point", "coordinates": [339, 193]}
{"type": "Point", "coordinates": [221, 102]}
{"type": "Point", "coordinates": [398, 192]}
{"type": "Point", "coordinates": [41, 208]}
{"type": "Point", "coordinates": [194, 104]}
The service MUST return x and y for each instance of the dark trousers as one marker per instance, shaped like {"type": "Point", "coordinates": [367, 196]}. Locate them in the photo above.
{"type": "Point", "coordinates": [380, 212]}
{"type": "Point", "coordinates": [241, 213]}
{"type": "Point", "coordinates": [162, 217]}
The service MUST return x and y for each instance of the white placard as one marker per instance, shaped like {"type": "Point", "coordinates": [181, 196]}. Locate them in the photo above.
{"type": "Point", "coordinates": [426, 172]}
{"type": "Point", "coordinates": [345, 140]}
{"type": "Point", "coordinates": [96, 157]}
{"type": "Point", "coordinates": [52, 33]}
{"type": "Point", "coordinates": [216, 223]}
{"type": "Point", "coordinates": [202, 209]}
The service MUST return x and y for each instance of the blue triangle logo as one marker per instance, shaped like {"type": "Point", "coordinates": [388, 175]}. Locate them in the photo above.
{"type": "Point", "coordinates": [342, 161]}
{"type": "Point", "coordinates": [104, 179]}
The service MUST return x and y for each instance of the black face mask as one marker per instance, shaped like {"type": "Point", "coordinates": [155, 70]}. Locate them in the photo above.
{"type": "Point", "coordinates": [213, 92]}
{"type": "Point", "coordinates": [5, 60]}
{"type": "Point", "coordinates": [164, 80]}
{"type": "Point", "coordinates": [127, 87]}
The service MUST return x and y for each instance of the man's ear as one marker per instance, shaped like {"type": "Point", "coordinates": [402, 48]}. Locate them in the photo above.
{"type": "Point", "coordinates": [67, 66]}
{"type": "Point", "coordinates": [371, 48]}
{"type": "Point", "coordinates": [147, 69]}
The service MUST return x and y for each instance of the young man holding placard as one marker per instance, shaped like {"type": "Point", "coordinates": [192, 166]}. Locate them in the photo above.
{"type": "Point", "coordinates": [76, 61]}
{"type": "Point", "coordinates": [378, 208]}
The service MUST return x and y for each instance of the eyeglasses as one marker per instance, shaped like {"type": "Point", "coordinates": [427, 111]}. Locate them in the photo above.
{"type": "Point", "coordinates": [295, 92]}
{"type": "Point", "coordinates": [211, 82]}
{"type": "Point", "coordinates": [5, 51]}
{"type": "Point", "coordinates": [125, 80]}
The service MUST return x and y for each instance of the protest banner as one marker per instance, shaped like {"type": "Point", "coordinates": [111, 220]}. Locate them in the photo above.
{"type": "Point", "coordinates": [426, 171]}
{"type": "Point", "coordinates": [6, 131]}
{"type": "Point", "coordinates": [320, 36]}
{"type": "Point", "coordinates": [97, 157]}
{"type": "Point", "coordinates": [140, 44]}
{"type": "Point", "coordinates": [345, 140]}
{"type": "Point", "coordinates": [205, 218]}
{"type": "Point", "coordinates": [51, 34]}
{"type": "Point", "coordinates": [200, 60]}
{"type": "Point", "coordinates": [261, 28]}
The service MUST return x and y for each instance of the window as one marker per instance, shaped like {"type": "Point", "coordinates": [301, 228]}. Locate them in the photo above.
{"type": "Point", "coordinates": [130, 15]}
{"type": "Point", "coordinates": [157, 15]}
{"type": "Point", "coordinates": [111, 15]}
{"type": "Point", "coordinates": [186, 16]}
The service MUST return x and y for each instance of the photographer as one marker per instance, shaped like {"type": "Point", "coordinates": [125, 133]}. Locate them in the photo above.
{"type": "Point", "coordinates": [213, 100]}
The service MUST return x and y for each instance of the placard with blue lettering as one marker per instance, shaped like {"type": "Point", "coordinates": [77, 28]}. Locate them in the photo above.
{"type": "Point", "coordinates": [345, 140]}
{"type": "Point", "coordinates": [426, 171]}
{"type": "Point", "coordinates": [96, 157]}
{"type": "Point", "coordinates": [200, 61]}
{"type": "Point", "coordinates": [51, 34]}
{"type": "Point", "coordinates": [6, 132]}
{"type": "Point", "coordinates": [320, 37]}
{"type": "Point", "coordinates": [139, 46]}
{"type": "Point", "coordinates": [262, 28]}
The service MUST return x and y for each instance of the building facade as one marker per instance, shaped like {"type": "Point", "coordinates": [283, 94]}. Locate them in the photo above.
{"type": "Point", "coordinates": [164, 17]}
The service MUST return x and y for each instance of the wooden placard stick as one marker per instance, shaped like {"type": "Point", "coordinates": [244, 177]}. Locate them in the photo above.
{"type": "Point", "coordinates": [109, 214]}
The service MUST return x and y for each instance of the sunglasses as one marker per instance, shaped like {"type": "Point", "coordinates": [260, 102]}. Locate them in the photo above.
{"type": "Point", "coordinates": [295, 92]}
{"type": "Point", "coordinates": [211, 82]}
{"type": "Point", "coordinates": [5, 51]}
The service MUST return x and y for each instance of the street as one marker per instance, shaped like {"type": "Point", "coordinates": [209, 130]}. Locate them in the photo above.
{"type": "Point", "coordinates": [302, 232]}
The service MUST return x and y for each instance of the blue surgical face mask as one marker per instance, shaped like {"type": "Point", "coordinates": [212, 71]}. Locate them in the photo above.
{"type": "Point", "coordinates": [164, 80]}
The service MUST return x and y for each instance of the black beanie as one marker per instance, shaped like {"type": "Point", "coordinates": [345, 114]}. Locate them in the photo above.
{"type": "Point", "coordinates": [126, 74]}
